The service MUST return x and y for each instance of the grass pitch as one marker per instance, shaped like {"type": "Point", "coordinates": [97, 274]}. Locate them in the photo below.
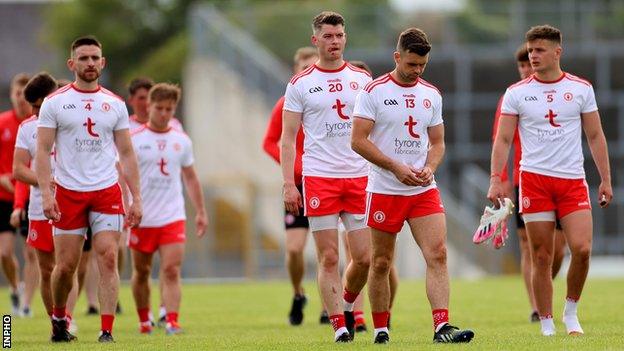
{"type": "Point", "coordinates": [253, 316]}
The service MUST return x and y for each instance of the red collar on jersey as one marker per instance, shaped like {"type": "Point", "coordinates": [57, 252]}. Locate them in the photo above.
{"type": "Point", "coordinates": [549, 81]}
{"type": "Point", "coordinates": [331, 70]}
{"type": "Point", "coordinates": [157, 131]}
{"type": "Point", "coordinates": [85, 91]}
{"type": "Point", "coordinates": [403, 84]}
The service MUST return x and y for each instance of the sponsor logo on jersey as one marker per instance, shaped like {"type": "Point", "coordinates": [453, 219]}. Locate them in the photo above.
{"type": "Point", "coordinates": [90, 124]}
{"type": "Point", "coordinates": [163, 167]}
{"type": "Point", "coordinates": [551, 118]}
{"type": "Point", "coordinates": [338, 106]}
{"type": "Point", "coordinates": [411, 123]}
{"type": "Point", "coordinates": [391, 102]}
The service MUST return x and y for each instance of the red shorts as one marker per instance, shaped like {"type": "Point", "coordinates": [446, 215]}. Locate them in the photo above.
{"type": "Point", "coordinates": [541, 193]}
{"type": "Point", "coordinates": [148, 240]}
{"type": "Point", "coordinates": [388, 212]}
{"type": "Point", "coordinates": [75, 206]}
{"type": "Point", "coordinates": [325, 196]}
{"type": "Point", "coordinates": [40, 235]}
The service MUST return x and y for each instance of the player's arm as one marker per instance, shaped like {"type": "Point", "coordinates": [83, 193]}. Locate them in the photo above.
{"type": "Point", "coordinates": [500, 152]}
{"type": "Point", "coordinates": [435, 154]}
{"type": "Point", "coordinates": [195, 192]}
{"type": "Point", "coordinates": [45, 142]}
{"type": "Point", "coordinates": [21, 168]}
{"type": "Point", "coordinates": [129, 164]}
{"type": "Point", "coordinates": [598, 147]}
{"type": "Point", "coordinates": [291, 122]}
{"type": "Point", "coordinates": [360, 143]}
{"type": "Point", "coordinates": [273, 133]}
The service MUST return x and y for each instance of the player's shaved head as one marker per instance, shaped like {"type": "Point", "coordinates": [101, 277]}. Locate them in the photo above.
{"type": "Point", "coordinates": [414, 40]}
{"type": "Point", "coordinates": [39, 86]}
{"type": "Point", "coordinates": [522, 54]}
{"type": "Point", "coordinates": [84, 41]}
{"type": "Point", "coordinates": [327, 17]}
{"type": "Point", "coordinates": [164, 91]}
{"type": "Point", "coordinates": [546, 32]}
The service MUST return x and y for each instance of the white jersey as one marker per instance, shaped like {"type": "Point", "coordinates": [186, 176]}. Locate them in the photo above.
{"type": "Point", "coordinates": [326, 99]}
{"type": "Point", "coordinates": [402, 113]}
{"type": "Point", "coordinates": [135, 124]}
{"type": "Point", "coordinates": [161, 156]}
{"type": "Point", "coordinates": [27, 140]}
{"type": "Point", "coordinates": [85, 122]}
{"type": "Point", "coordinates": [550, 123]}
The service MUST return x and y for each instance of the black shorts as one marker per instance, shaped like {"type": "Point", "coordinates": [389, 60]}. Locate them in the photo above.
{"type": "Point", "coordinates": [519, 220]}
{"type": "Point", "coordinates": [86, 247]}
{"type": "Point", "coordinates": [23, 227]}
{"type": "Point", "coordinates": [6, 208]}
{"type": "Point", "coordinates": [291, 221]}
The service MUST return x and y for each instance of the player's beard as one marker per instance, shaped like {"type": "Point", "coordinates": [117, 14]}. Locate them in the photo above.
{"type": "Point", "coordinates": [89, 76]}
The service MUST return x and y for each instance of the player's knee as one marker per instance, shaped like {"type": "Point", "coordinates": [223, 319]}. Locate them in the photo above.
{"type": "Point", "coordinates": [108, 260]}
{"type": "Point", "coordinates": [362, 261]}
{"type": "Point", "coordinates": [542, 257]}
{"type": "Point", "coordinates": [436, 255]}
{"type": "Point", "coordinates": [141, 272]}
{"type": "Point", "coordinates": [171, 272]}
{"type": "Point", "coordinates": [329, 261]}
{"type": "Point", "coordinates": [582, 253]}
{"type": "Point", "coordinates": [381, 265]}
{"type": "Point", "coordinates": [294, 253]}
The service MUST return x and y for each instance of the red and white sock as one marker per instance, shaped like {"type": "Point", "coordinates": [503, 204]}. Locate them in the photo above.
{"type": "Point", "coordinates": [144, 314]}
{"type": "Point", "coordinates": [59, 313]}
{"type": "Point", "coordinates": [107, 322]}
{"type": "Point", "coordinates": [172, 317]}
{"type": "Point", "coordinates": [349, 299]}
{"type": "Point", "coordinates": [440, 318]}
{"type": "Point", "coordinates": [380, 322]}
{"type": "Point", "coordinates": [339, 325]}
{"type": "Point", "coordinates": [548, 325]}
{"type": "Point", "coordinates": [570, 318]}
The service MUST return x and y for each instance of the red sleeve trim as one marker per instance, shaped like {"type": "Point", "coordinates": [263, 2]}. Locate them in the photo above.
{"type": "Point", "coordinates": [379, 81]}
{"type": "Point", "coordinates": [358, 69]}
{"type": "Point", "coordinates": [60, 91]}
{"type": "Point", "coordinates": [427, 84]}
{"type": "Point", "coordinates": [522, 82]}
{"type": "Point", "coordinates": [108, 92]}
{"type": "Point", "coordinates": [303, 73]}
{"type": "Point", "coordinates": [577, 79]}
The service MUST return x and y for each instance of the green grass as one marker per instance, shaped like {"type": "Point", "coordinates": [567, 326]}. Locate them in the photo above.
{"type": "Point", "coordinates": [252, 316]}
